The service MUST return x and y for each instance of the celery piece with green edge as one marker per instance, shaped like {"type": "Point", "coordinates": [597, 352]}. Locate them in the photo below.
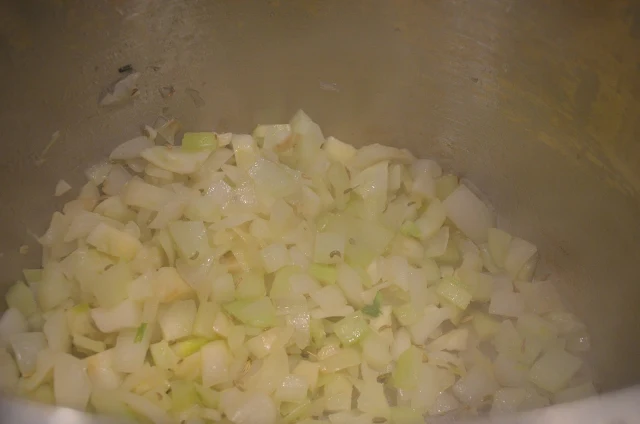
{"type": "Point", "coordinates": [326, 274]}
{"type": "Point", "coordinates": [195, 141]}
{"type": "Point", "coordinates": [350, 329]}
{"type": "Point", "coordinates": [374, 308]}
{"type": "Point", "coordinates": [258, 313]}
{"type": "Point", "coordinates": [80, 308]}
{"type": "Point", "coordinates": [452, 290]}
{"type": "Point", "coordinates": [190, 346]}
{"type": "Point", "coordinates": [410, 229]}
{"type": "Point", "coordinates": [405, 374]}
{"type": "Point", "coordinates": [183, 395]}
{"type": "Point", "coordinates": [140, 332]}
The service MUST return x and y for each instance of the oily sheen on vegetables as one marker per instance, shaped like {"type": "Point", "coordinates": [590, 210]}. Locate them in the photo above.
{"type": "Point", "coordinates": [284, 277]}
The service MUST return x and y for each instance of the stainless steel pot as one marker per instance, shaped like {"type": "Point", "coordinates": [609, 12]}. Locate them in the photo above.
{"type": "Point", "coordinates": [535, 102]}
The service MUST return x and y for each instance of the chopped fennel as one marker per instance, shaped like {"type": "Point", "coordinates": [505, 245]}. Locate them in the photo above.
{"type": "Point", "coordinates": [280, 277]}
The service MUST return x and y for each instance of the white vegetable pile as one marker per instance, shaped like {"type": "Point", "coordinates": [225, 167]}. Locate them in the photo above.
{"type": "Point", "coordinates": [284, 277]}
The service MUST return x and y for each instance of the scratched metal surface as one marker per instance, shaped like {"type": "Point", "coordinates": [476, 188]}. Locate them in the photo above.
{"type": "Point", "coordinates": [534, 102]}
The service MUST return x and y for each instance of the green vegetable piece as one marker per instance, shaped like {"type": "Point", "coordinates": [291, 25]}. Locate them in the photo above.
{"type": "Point", "coordinates": [374, 309]}
{"type": "Point", "coordinates": [189, 347]}
{"type": "Point", "coordinates": [196, 141]}
{"type": "Point", "coordinates": [405, 374]}
{"type": "Point", "coordinates": [140, 332]}
{"type": "Point", "coordinates": [326, 274]}
{"type": "Point", "coordinates": [410, 229]}
{"type": "Point", "coordinates": [350, 329]}
{"type": "Point", "coordinates": [258, 313]}
{"type": "Point", "coordinates": [183, 395]}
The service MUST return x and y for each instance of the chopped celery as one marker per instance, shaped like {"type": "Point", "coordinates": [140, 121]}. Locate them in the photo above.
{"type": "Point", "coordinates": [406, 314]}
{"type": "Point", "coordinates": [326, 274]}
{"type": "Point", "coordinates": [258, 313]}
{"type": "Point", "coordinates": [410, 229]}
{"type": "Point", "coordinates": [454, 293]}
{"type": "Point", "coordinates": [183, 395]}
{"type": "Point", "coordinates": [194, 141]}
{"type": "Point", "coordinates": [405, 374]}
{"type": "Point", "coordinates": [350, 329]}
{"type": "Point", "coordinates": [140, 332]}
{"type": "Point", "coordinates": [188, 347]}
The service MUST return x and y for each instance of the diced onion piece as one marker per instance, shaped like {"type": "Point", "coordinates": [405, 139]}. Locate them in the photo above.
{"type": "Point", "coordinates": [508, 400]}
{"type": "Point", "coordinates": [372, 399]}
{"type": "Point", "coordinates": [169, 286]}
{"type": "Point", "coordinates": [61, 188]}
{"type": "Point", "coordinates": [114, 242]}
{"type": "Point", "coordinates": [338, 393]}
{"type": "Point", "coordinates": [473, 387]}
{"type": "Point", "coordinates": [499, 242]}
{"type": "Point", "coordinates": [309, 371]}
{"type": "Point", "coordinates": [575, 393]}
{"type": "Point", "coordinates": [12, 322]}
{"type": "Point", "coordinates": [276, 179]}
{"type": "Point", "coordinates": [374, 153]}
{"type": "Point", "coordinates": [129, 353]}
{"type": "Point", "coordinates": [343, 358]}
{"type": "Point", "coordinates": [376, 351]}
{"type": "Point", "coordinates": [509, 372]}
{"type": "Point", "coordinates": [250, 407]}
{"type": "Point", "coordinates": [177, 321]}
{"type": "Point", "coordinates": [25, 347]}
{"type": "Point", "coordinates": [275, 256]}
{"type": "Point", "coordinates": [9, 374]}
{"type": "Point", "coordinates": [520, 251]}
{"type": "Point", "coordinates": [507, 304]}
{"type": "Point", "coordinates": [431, 220]}
{"type": "Point", "coordinates": [144, 195]}
{"type": "Point", "coordinates": [329, 248]}
{"type": "Point", "coordinates": [469, 213]}
{"type": "Point", "coordinates": [292, 389]}
{"type": "Point", "coordinates": [553, 371]}
{"type": "Point", "coordinates": [100, 371]}
{"type": "Point", "coordinates": [216, 359]}
{"type": "Point", "coordinates": [71, 385]}
{"type": "Point", "coordinates": [116, 180]}
{"type": "Point", "coordinates": [146, 408]}
{"type": "Point", "coordinates": [125, 315]}
{"type": "Point", "coordinates": [454, 340]}
{"type": "Point", "coordinates": [56, 330]}
{"type": "Point", "coordinates": [338, 150]}
{"type": "Point", "coordinates": [428, 323]}
{"type": "Point", "coordinates": [177, 160]}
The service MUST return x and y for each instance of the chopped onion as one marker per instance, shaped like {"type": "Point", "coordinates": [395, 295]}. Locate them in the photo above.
{"type": "Point", "coordinates": [282, 276]}
{"type": "Point", "coordinates": [469, 214]}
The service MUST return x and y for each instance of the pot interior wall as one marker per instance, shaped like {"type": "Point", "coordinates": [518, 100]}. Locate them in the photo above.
{"type": "Point", "coordinates": [534, 102]}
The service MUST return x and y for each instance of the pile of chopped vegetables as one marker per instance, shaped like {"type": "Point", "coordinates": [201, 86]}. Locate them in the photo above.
{"type": "Point", "coordinates": [284, 277]}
